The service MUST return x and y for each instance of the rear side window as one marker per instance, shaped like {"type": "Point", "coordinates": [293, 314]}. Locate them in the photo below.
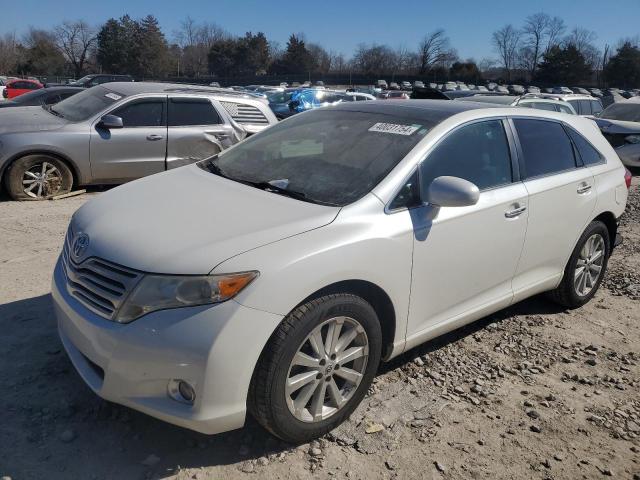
{"type": "Point", "coordinates": [545, 146]}
{"type": "Point", "coordinates": [146, 113]}
{"type": "Point", "coordinates": [192, 111]}
{"type": "Point", "coordinates": [576, 106]}
{"type": "Point", "coordinates": [545, 106]}
{"type": "Point", "coordinates": [596, 107]}
{"type": "Point", "coordinates": [478, 152]}
{"type": "Point", "coordinates": [585, 107]}
{"type": "Point", "coordinates": [564, 109]}
{"type": "Point", "coordinates": [588, 154]}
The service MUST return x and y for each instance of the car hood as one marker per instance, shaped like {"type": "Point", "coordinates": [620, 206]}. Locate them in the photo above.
{"type": "Point", "coordinates": [28, 119]}
{"type": "Point", "coordinates": [187, 221]}
{"type": "Point", "coordinates": [617, 126]}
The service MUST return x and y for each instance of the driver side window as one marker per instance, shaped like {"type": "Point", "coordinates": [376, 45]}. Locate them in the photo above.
{"type": "Point", "coordinates": [478, 152]}
{"type": "Point", "coordinates": [142, 113]}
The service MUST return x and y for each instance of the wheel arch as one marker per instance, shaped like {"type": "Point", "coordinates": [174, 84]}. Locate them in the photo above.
{"type": "Point", "coordinates": [75, 172]}
{"type": "Point", "coordinates": [375, 296]}
{"type": "Point", "coordinates": [610, 221]}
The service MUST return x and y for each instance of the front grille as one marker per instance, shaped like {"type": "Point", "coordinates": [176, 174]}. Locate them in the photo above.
{"type": "Point", "coordinates": [245, 114]}
{"type": "Point", "coordinates": [98, 284]}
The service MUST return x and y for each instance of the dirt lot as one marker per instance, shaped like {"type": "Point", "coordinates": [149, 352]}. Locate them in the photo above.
{"type": "Point", "coordinates": [531, 392]}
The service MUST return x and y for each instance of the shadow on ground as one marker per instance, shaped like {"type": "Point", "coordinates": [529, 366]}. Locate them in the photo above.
{"type": "Point", "coordinates": [46, 397]}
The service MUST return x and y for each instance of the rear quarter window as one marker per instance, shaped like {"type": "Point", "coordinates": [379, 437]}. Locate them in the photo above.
{"type": "Point", "coordinates": [587, 152]}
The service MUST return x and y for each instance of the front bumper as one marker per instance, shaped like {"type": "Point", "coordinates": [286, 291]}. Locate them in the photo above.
{"type": "Point", "coordinates": [215, 348]}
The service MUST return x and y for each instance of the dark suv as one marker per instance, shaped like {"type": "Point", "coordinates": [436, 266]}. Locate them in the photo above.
{"type": "Point", "coordinates": [100, 78]}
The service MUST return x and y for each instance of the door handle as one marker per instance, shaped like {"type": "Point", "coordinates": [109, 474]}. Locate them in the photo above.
{"type": "Point", "coordinates": [153, 137]}
{"type": "Point", "coordinates": [515, 212]}
{"type": "Point", "coordinates": [584, 188]}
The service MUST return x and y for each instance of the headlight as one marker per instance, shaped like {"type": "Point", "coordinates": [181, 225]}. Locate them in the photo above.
{"type": "Point", "coordinates": [159, 292]}
{"type": "Point", "coordinates": [632, 139]}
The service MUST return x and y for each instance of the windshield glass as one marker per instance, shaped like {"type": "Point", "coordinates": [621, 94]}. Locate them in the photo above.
{"type": "Point", "coordinates": [627, 112]}
{"type": "Point", "coordinates": [86, 104]}
{"type": "Point", "coordinates": [329, 156]}
{"type": "Point", "coordinates": [81, 81]}
{"type": "Point", "coordinates": [279, 97]}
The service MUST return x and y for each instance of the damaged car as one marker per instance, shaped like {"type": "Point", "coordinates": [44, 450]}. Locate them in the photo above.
{"type": "Point", "coordinates": [114, 133]}
{"type": "Point", "coordinates": [620, 125]}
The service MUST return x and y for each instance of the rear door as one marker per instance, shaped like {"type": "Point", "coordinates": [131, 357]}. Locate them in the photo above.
{"type": "Point", "coordinates": [136, 150]}
{"type": "Point", "coordinates": [561, 202]}
{"type": "Point", "coordinates": [196, 130]}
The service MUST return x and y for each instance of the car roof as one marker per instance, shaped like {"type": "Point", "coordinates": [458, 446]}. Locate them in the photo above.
{"type": "Point", "coordinates": [135, 88]}
{"type": "Point", "coordinates": [432, 110]}
{"type": "Point", "coordinates": [62, 88]}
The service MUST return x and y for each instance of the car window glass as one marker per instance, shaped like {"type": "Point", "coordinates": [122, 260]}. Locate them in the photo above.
{"type": "Point", "coordinates": [545, 106]}
{"type": "Point", "coordinates": [478, 152]}
{"type": "Point", "coordinates": [409, 194]}
{"type": "Point", "coordinates": [146, 113]}
{"type": "Point", "coordinates": [585, 107]}
{"type": "Point", "coordinates": [588, 154]}
{"type": "Point", "coordinates": [596, 107]}
{"type": "Point", "coordinates": [51, 99]}
{"type": "Point", "coordinates": [564, 109]}
{"type": "Point", "coordinates": [545, 146]}
{"type": "Point", "coordinates": [576, 106]}
{"type": "Point", "coordinates": [192, 111]}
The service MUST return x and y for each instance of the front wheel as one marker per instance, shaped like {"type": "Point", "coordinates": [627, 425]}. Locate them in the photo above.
{"type": "Point", "coordinates": [586, 267]}
{"type": "Point", "coordinates": [316, 368]}
{"type": "Point", "coordinates": [37, 177]}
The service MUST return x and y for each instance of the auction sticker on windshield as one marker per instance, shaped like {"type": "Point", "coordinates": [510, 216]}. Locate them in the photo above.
{"type": "Point", "coordinates": [394, 128]}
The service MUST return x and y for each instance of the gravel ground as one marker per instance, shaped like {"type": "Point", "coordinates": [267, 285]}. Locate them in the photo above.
{"type": "Point", "coordinates": [532, 392]}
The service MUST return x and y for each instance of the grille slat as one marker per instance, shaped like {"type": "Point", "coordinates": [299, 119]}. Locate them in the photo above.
{"type": "Point", "coordinates": [98, 284]}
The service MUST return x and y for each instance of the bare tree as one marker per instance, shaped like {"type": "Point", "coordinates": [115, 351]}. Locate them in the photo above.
{"type": "Point", "coordinates": [75, 40]}
{"type": "Point", "coordinates": [8, 53]}
{"type": "Point", "coordinates": [584, 41]}
{"type": "Point", "coordinates": [535, 31]}
{"type": "Point", "coordinates": [506, 42]}
{"type": "Point", "coordinates": [196, 39]}
{"type": "Point", "coordinates": [432, 49]}
{"type": "Point", "coordinates": [555, 31]}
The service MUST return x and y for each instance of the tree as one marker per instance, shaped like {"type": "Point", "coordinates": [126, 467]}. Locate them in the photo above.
{"type": "Point", "coordinates": [295, 59]}
{"type": "Point", "coordinates": [374, 59]}
{"type": "Point", "coordinates": [432, 50]}
{"type": "Point", "coordinates": [321, 60]}
{"type": "Point", "coordinates": [112, 50]}
{"type": "Point", "coordinates": [222, 57]}
{"type": "Point", "coordinates": [565, 65]}
{"type": "Point", "coordinates": [624, 67]}
{"type": "Point", "coordinates": [196, 41]}
{"type": "Point", "coordinates": [8, 53]}
{"type": "Point", "coordinates": [39, 54]}
{"type": "Point", "coordinates": [466, 71]}
{"type": "Point", "coordinates": [151, 51]}
{"type": "Point", "coordinates": [506, 42]}
{"type": "Point", "coordinates": [584, 41]}
{"type": "Point", "coordinates": [75, 41]}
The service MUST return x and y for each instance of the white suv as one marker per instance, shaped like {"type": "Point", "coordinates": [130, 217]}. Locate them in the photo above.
{"type": "Point", "coordinates": [274, 277]}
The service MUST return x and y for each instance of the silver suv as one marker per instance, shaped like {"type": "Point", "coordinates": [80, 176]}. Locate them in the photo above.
{"type": "Point", "coordinates": [114, 133]}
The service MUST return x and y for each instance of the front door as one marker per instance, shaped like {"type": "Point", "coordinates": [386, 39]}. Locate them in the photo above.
{"type": "Point", "coordinates": [136, 150]}
{"type": "Point", "coordinates": [465, 257]}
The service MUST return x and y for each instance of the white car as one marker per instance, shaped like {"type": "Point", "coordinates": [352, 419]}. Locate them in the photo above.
{"type": "Point", "coordinates": [274, 277]}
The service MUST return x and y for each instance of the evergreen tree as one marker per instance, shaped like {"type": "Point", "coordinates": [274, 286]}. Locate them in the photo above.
{"type": "Point", "coordinates": [624, 67]}
{"type": "Point", "coordinates": [565, 66]}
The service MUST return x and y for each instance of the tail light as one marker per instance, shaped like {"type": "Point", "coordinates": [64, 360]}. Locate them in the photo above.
{"type": "Point", "coordinates": [627, 177]}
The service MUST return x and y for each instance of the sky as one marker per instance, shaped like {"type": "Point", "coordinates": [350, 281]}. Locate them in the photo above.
{"type": "Point", "coordinates": [340, 25]}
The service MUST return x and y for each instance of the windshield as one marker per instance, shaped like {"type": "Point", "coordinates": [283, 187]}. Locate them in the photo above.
{"type": "Point", "coordinates": [81, 81]}
{"type": "Point", "coordinates": [86, 104]}
{"type": "Point", "coordinates": [627, 112]}
{"type": "Point", "coordinates": [331, 157]}
{"type": "Point", "coordinates": [279, 97]}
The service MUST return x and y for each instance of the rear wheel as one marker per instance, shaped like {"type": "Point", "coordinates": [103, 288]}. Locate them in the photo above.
{"type": "Point", "coordinates": [316, 368]}
{"type": "Point", "coordinates": [586, 267]}
{"type": "Point", "coordinates": [37, 177]}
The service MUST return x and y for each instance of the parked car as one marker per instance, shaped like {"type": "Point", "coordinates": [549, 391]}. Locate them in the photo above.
{"type": "Point", "coordinates": [501, 89]}
{"type": "Point", "coordinates": [394, 86]}
{"type": "Point", "coordinates": [94, 79]}
{"type": "Point", "coordinates": [580, 90]}
{"type": "Point", "coordinates": [620, 125]}
{"type": "Point", "coordinates": [396, 95]}
{"type": "Point", "coordinates": [382, 84]}
{"type": "Point", "coordinates": [526, 101]}
{"type": "Point", "coordinates": [41, 96]}
{"type": "Point", "coordinates": [596, 92]}
{"type": "Point", "coordinates": [406, 85]}
{"type": "Point", "coordinates": [532, 89]}
{"type": "Point", "coordinates": [585, 105]}
{"type": "Point", "coordinates": [274, 278]}
{"type": "Point", "coordinates": [419, 84]}
{"type": "Point", "coordinates": [516, 89]}
{"type": "Point", "coordinates": [119, 132]}
{"type": "Point", "coordinates": [214, 84]}
{"type": "Point", "coordinates": [17, 87]}
{"type": "Point", "coordinates": [279, 102]}
{"type": "Point", "coordinates": [309, 99]}
{"type": "Point", "coordinates": [3, 82]}
{"type": "Point", "coordinates": [562, 90]}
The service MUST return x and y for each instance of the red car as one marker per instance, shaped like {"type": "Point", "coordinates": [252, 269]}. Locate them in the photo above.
{"type": "Point", "coordinates": [15, 88]}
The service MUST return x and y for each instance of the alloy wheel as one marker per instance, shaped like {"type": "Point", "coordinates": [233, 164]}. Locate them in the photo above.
{"type": "Point", "coordinates": [589, 265]}
{"type": "Point", "coordinates": [42, 180]}
{"type": "Point", "coordinates": [327, 369]}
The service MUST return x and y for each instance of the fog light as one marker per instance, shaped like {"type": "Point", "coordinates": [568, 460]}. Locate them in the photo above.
{"type": "Point", "coordinates": [181, 391]}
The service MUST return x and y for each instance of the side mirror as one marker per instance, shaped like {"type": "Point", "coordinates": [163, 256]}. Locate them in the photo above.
{"type": "Point", "coordinates": [110, 121]}
{"type": "Point", "coordinates": [452, 192]}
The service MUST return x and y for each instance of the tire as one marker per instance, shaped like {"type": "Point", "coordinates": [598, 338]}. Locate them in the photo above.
{"type": "Point", "coordinates": [569, 293]}
{"type": "Point", "coordinates": [273, 406]}
{"type": "Point", "coordinates": [38, 177]}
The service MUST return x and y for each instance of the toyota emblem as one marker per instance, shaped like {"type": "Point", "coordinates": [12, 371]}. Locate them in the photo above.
{"type": "Point", "coordinates": [80, 245]}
